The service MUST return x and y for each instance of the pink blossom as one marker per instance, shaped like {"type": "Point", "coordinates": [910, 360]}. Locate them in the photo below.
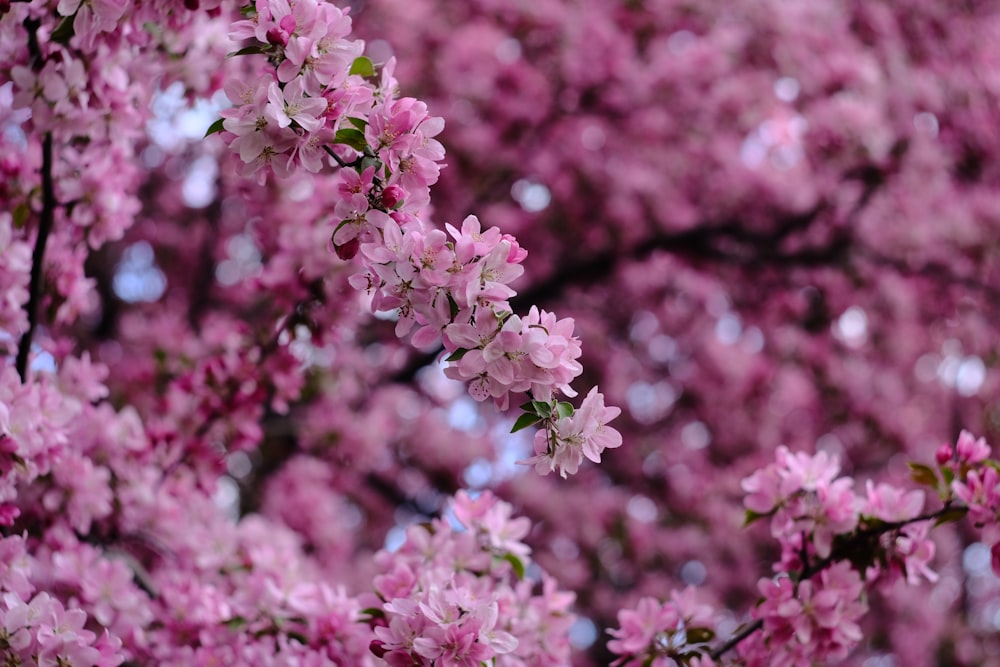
{"type": "Point", "coordinates": [981, 493]}
{"type": "Point", "coordinates": [890, 503]}
{"type": "Point", "coordinates": [970, 450]}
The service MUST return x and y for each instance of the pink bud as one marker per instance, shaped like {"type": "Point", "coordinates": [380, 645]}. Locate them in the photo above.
{"type": "Point", "coordinates": [995, 558]}
{"type": "Point", "coordinates": [943, 454]}
{"type": "Point", "coordinates": [277, 36]}
{"type": "Point", "coordinates": [392, 195]}
{"type": "Point", "coordinates": [8, 513]}
{"type": "Point", "coordinates": [517, 253]}
{"type": "Point", "coordinates": [348, 250]}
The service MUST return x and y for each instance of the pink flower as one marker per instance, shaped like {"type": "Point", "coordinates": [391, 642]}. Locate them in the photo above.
{"type": "Point", "coordinates": [814, 621]}
{"type": "Point", "coordinates": [892, 504]}
{"type": "Point", "coordinates": [970, 450]}
{"type": "Point", "coordinates": [291, 104]}
{"type": "Point", "coordinates": [639, 626]}
{"type": "Point", "coordinates": [981, 492]}
{"type": "Point", "coordinates": [564, 444]}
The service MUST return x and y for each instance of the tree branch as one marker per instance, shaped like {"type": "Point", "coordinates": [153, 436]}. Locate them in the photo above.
{"type": "Point", "coordinates": [736, 639]}
{"type": "Point", "coordinates": [840, 552]}
{"type": "Point", "coordinates": [45, 222]}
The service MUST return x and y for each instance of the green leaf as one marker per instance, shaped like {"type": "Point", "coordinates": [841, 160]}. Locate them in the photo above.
{"type": "Point", "coordinates": [373, 612]}
{"type": "Point", "coordinates": [370, 161]}
{"type": "Point", "coordinates": [350, 137]}
{"type": "Point", "coordinates": [359, 123]}
{"type": "Point", "coordinates": [452, 305]}
{"type": "Point", "coordinates": [699, 636]}
{"type": "Point", "coordinates": [752, 516]}
{"type": "Point", "coordinates": [214, 127]}
{"type": "Point", "coordinates": [564, 409]}
{"type": "Point", "coordinates": [516, 563]}
{"type": "Point", "coordinates": [951, 515]}
{"type": "Point", "coordinates": [21, 214]}
{"type": "Point", "coordinates": [923, 474]}
{"type": "Point", "coordinates": [948, 474]}
{"type": "Point", "coordinates": [541, 408]}
{"type": "Point", "coordinates": [248, 10]}
{"type": "Point", "coordinates": [64, 31]}
{"type": "Point", "coordinates": [524, 421]}
{"type": "Point", "coordinates": [253, 49]}
{"type": "Point", "coordinates": [236, 622]}
{"type": "Point", "coordinates": [363, 66]}
{"type": "Point", "coordinates": [457, 354]}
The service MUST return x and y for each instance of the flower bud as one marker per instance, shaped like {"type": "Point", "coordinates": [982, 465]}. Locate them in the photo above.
{"type": "Point", "coordinates": [392, 195]}
{"type": "Point", "coordinates": [347, 250]}
{"type": "Point", "coordinates": [277, 36]}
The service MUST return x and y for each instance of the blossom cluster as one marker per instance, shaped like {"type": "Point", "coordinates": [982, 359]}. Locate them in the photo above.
{"type": "Point", "coordinates": [106, 537]}
{"type": "Point", "coordinates": [320, 104]}
{"type": "Point", "coordinates": [78, 79]}
{"type": "Point", "coordinates": [37, 628]}
{"type": "Point", "coordinates": [966, 474]}
{"type": "Point", "coordinates": [458, 594]}
{"type": "Point", "coordinates": [660, 634]}
{"type": "Point", "coordinates": [809, 621]}
{"type": "Point", "coordinates": [810, 507]}
{"type": "Point", "coordinates": [835, 547]}
{"type": "Point", "coordinates": [837, 544]}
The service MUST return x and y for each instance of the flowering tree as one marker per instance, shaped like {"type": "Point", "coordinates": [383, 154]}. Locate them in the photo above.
{"type": "Point", "coordinates": [270, 398]}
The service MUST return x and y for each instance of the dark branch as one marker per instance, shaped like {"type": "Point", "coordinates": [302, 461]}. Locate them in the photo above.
{"type": "Point", "coordinates": [333, 154]}
{"type": "Point", "coordinates": [35, 285]}
{"type": "Point", "coordinates": [736, 639]}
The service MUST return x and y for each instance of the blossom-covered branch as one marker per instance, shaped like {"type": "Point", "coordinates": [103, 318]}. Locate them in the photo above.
{"type": "Point", "coordinates": [835, 547]}
{"type": "Point", "coordinates": [323, 98]}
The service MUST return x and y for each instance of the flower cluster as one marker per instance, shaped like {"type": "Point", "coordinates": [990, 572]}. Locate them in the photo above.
{"type": "Point", "coordinates": [77, 85]}
{"type": "Point", "coordinates": [655, 633]}
{"type": "Point", "coordinates": [570, 435]}
{"type": "Point", "coordinates": [809, 621]}
{"type": "Point", "coordinates": [284, 119]}
{"type": "Point", "coordinates": [321, 104]}
{"type": "Point", "coordinates": [459, 597]}
{"type": "Point", "coordinates": [835, 546]}
{"type": "Point", "coordinates": [967, 474]}
{"type": "Point", "coordinates": [810, 507]}
{"type": "Point", "coordinates": [42, 631]}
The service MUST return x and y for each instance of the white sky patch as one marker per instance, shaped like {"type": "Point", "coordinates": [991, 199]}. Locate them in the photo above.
{"type": "Point", "coordinates": [137, 278]}
{"type": "Point", "coordinates": [851, 328]}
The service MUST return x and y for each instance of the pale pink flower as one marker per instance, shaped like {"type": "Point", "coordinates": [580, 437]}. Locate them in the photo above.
{"type": "Point", "coordinates": [291, 103]}
{"type": "Point", "coordinates": [890, 503]}
{"type": "Point", "coordinates": [971, 450]}
{"type": "Point", "coordinates": [981, 493]}
{"type": "Point", "coordinates": [639, 626]}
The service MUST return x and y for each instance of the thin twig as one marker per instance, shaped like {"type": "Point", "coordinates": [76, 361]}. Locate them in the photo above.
{"type": "Point", "coordinates": [736, 639]}
{"type": "Point", "coordinates": [334, 155]}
